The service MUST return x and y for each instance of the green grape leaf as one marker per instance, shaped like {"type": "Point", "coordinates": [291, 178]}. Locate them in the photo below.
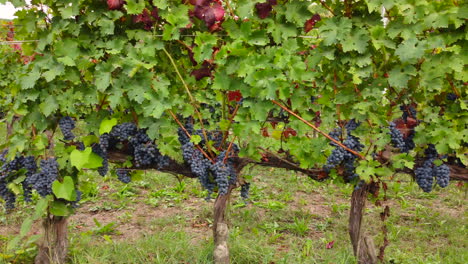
{"type": "Point", "coordinates": [65, 189]}
{"type": "Point", "coordinates": [107, 125]}
{"type": "Point", "coordinates": [85, 159]}
{"type": "Point", "coordinates": [135, 7]}
{"type": "Point", "coordinates": [60, 208]}
{"type": "Point", "coordinates": [195, 139]}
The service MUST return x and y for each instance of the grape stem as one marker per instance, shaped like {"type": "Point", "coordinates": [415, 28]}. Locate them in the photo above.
{"type": "Point", "coordinates": [228, 149]}
{"type": "Point", "coordinates": [453, 87]}
{"type": "Point", "coordinates": [318, 130]}
{"type": "Point", "coordinates": [190, 136]}
{"type": "Point", "coordinates": [226, 133]}
{"type": "Point", "coordinates": [327, 7]}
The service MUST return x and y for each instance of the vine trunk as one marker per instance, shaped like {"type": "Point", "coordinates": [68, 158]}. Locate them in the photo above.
{"type": "Point", "coordinates": [53, 246]}
{"type": "Point", "coordinates": [363, 245]}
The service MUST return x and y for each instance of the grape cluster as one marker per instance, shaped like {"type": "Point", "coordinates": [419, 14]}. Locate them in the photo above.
{"type": "Point", "coordinates": [426, 173]}
{"type": "Point", "coordinates": [219, 174]}
{"type": "Point", "coordinates": [136, 142]}
{"type": "Point", "coordinates": [42, 180]}
{"type": "Point", "coordinates": [7, 195]}
{"type": "Point", "coordinates": [104, 142]}
{"type": "Point", "coordinates": [67, 124]}
{"type": "Point", "coordinates": [123, 175]}
{"type": "Point", "coordinates": [408, 111]}
{"type": "Point", "coordinates": [13, 167]}
{"type": "Point", "coordinates": [105, 161]}
{"type": "Point", "coordinates": [442, 175]}
{"type": "Point", "coordinates": [452, 97]}
{"type": "Point", "coordinates": [29, 163]}
{"type": "Point", "coordinates": [123, 131]}
{"type": "Point", "coordinates": [339, 155]}
{"type": "Point", "coordinates": [351, 125]}
{"type": "Point", "coordinates": [222, 173]}
{"type": "Point", "coordinates": [404, 143]}
{"type": "Point", "coordinates": [424, 178]}
{"type": "Point", "coordinates": [397, 139]}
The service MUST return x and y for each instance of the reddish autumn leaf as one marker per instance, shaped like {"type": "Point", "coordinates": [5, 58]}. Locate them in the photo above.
{"type": "Point", "coordinates": [330, 244]}
{"type": "Point", "coordinates": [218, 11]}
{"type": "Point", "coordinates": [264, 9]}
{"type": "Point", "coordinates": [10, 35]}
{"type": "Point", "coordinates": [264, 131]}
{"type": "Point", "coordinates": [199, 2]}
{"type": "Point", "coordinates": [310, 24]}
{"type": "Point", "coordinates": [144, 17]}
{"type": "Point", "coordinates": [155, 13]}
{"type": "Point", "coordinates": [201, 73]}
{"type": "Point", "coordinates": [289, 132]}
{"type": "Point", "coordinates": [411, 122]}
{"type": "Point", "coordinates": [115, 4]}
{"type": "Point", "coordinates": [211, 14]}
{"type": "Point", "coordinates": [234, 95]}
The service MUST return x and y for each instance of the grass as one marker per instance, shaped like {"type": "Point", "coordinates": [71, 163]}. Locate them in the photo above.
{"type": "Point", "coordinates": [290, 219]}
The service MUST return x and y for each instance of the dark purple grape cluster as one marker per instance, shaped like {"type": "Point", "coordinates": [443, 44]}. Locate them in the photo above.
{"type": "Point", "coordinates": [183, 138]}
{"type": "Point", "coordinates": [136, 142]}
{"type": "Point", "coordinates": [124, 131]}
{"type": "Point", "coordinates": [14, 168]}
{"type": "Point", "coordinates": [404, 144]}
{"type": "Point", "coordinates": [105, 161]}
{"type": "Point", "coordinates": [424, 178]}
{"type": "Point", "coordinates": [10, 167]}
{"type": "Point", "coordinates": [123, 175]}
{"type": "Point", "coordinates": [351, 125]}
{"type": "Point", "coordinates": [442, 175]}
{"type": "Point", "coordinates": [408, 111]}
{"type": "Point", "coordinates": [452, 97]}
{"type": "Point", "coordinates": [29, 163]}
{"type": "Point", "coordinates": [397, 139]}
{"type": "Point", "coordinates": [220, 174]}
{"type": "Point", "coordinates": [340, 156]}
{"type": "Point", "coordinates": [426, 173]}
{"type": "Point", "coordinates": [67, 124]}
{"type": "Point", "coordinates": [42, 180]}
{"type": "Point", "coordinates": [7, 195]}
{"type": "Point", "coordinates": [104, 142]}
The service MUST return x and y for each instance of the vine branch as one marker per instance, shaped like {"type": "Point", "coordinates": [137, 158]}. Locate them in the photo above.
{"type": "Point", "coordinates": [318, 130]}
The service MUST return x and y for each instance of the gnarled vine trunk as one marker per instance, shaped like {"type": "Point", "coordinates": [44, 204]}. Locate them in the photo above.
{"type": "Point", "coordinates": [220, 229]}
{"type": "Point", "coordinates": [53, 246]}
{"type": "Point", "coordinates": [363, 245]}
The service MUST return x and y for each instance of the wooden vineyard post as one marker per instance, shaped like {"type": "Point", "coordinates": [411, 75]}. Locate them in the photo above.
{"type": "Point", "coordinates": [53, 246]}
{"type": "Point", "coordinates": [363, 245]}
{"type": "Point", "coordinates": [220, 229]}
